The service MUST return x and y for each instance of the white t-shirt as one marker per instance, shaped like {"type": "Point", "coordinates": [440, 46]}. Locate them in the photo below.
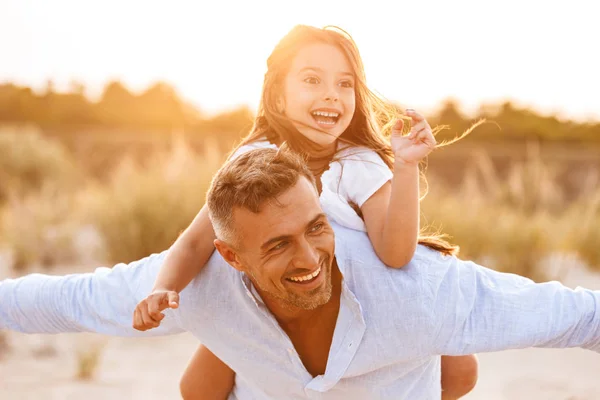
{"type": "Point", "coordinates": [354, 176]}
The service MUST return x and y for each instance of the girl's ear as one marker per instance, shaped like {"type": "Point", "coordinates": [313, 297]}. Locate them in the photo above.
{"type": "Point", "coordinates": [280, 104]}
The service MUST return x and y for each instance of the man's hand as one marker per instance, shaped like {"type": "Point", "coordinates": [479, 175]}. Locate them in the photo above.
{"type": "Point", "coordinates": [148, 313]}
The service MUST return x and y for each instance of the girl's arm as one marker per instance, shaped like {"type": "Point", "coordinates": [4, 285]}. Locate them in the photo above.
{"type": "Point", "coordinates": [188, 255]}
{"type": "Point", "coordinates": [185, 259]}
{"type": "Point", "coordinates": [392, 213]}
{"type": "Point", "coordinates": [392, 216]}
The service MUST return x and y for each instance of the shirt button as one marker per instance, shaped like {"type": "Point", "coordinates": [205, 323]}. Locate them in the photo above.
{"type": "Point", "coordinates": [290, 351]}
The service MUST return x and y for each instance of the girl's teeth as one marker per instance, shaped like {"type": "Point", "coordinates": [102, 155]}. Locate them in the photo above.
{"type": "Point", "coordinates": [326, 114]}
{"type": "Point", "coordinates": [325, 117]}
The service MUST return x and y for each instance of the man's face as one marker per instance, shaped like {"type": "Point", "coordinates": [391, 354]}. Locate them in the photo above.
{"type": "Point", "coordinates": [288, 248]}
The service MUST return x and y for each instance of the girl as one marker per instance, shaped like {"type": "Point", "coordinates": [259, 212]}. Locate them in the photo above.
{"type": "Point", "coordinates": [316, 100]}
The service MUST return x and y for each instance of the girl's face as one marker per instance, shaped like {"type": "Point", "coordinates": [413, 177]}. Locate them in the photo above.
{"type": "Point", "coordinates": [319, 94]}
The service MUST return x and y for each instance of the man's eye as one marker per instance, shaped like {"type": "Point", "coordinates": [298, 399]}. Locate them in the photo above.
{"type": "Point", "coordinates": [311, 80]}
{"type": "Point", "coordinates": [317, 227]}
{"type": "Point", "coordinates": [279, 246]}
{"type": "Point", "coordinates": [346, 84]}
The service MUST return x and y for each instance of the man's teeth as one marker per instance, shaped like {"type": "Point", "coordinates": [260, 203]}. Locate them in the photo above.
{"type": "Point", "coordinates": [326, 114]}
{"type": "Point", "coordinates": [305, 277]}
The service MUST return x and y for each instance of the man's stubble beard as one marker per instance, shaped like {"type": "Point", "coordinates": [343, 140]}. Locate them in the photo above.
{"type": "Point", "coordinates": [309, 300]}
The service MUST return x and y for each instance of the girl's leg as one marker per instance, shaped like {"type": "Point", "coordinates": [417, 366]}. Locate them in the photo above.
{"type": "Point", "coordinates": [459, 376]}
{"type": "Point", "coordinates": [206, 377]}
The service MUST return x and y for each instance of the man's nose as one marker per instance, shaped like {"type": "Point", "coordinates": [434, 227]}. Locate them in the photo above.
{"type": "Point", "coordinates": [306, 255]}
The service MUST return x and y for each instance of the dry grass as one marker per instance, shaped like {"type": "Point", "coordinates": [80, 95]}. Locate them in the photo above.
{"type": "Point", "coordinates": [40, 228]}
{"type": "Point", "coordinates": [88, 361]}
{"type": "Point", "coordinates": [510, 222]}
{"type": "Point", "coordinates": [514, 223]}
{"type": "Point", "coordinates": [143, 209]}
{"type": "Point", "coordinates": [29, 160]}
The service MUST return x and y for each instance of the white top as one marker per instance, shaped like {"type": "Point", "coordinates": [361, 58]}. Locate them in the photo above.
{"type": "Point", "coordinates": [355, 175]}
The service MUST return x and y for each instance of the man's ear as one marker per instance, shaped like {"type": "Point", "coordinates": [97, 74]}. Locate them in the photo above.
{"type": "Point", "coordinates": [229, 254]}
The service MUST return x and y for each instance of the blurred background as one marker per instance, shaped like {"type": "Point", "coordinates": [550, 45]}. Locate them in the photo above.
{"type": "Point", "coordinates": [114, 116]}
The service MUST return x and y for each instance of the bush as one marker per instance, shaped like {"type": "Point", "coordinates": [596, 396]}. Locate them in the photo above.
{"type": "Point", "coordinates": [29, 160]}
{"type": "Point", "coordinates": [582, 222]}
{"type": "Point", "coordinates": [509, 224]}
{"type": "Point", "coordinates": [142, 210]}
{"type": "Point", "coordinates": [40, 228]}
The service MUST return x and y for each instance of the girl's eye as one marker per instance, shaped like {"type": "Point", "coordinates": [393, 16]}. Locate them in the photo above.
{"type": "Point", "coordinates": [346, 84]}
{"type": "Point", "coordinates": [311, 80]}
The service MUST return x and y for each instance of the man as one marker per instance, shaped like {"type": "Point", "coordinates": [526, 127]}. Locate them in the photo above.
{"type": "Point", "coordinates": [306, 314]}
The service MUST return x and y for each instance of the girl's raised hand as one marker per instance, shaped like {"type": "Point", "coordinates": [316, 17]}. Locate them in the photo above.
{"type": "Point", "coordinates": [415, 146]}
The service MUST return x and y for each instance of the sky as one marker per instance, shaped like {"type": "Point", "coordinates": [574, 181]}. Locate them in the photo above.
{"type": "Point", "coordinates": [539, 54]}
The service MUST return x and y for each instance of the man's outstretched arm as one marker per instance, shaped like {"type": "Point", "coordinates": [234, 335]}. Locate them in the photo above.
{"type": "Point", "coordinates": [102, 301]}
{"type": "Point", "coordinates": [480, 310]}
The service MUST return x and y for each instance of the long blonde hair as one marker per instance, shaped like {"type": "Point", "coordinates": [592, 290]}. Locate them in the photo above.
{"type": "Point", "coordinates": [371, 124]}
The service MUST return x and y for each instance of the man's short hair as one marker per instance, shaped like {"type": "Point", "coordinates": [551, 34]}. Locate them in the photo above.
{"type": "Point", "coordinates": [249, 181]}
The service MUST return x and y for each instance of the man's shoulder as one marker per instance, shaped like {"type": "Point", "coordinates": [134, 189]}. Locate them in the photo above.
{"type": "Point", "coordinates": [351, 244]}
{"type": "Point", "coordinates": [356, 246]}
{"type": "Point", "coordinates": [215, 279]}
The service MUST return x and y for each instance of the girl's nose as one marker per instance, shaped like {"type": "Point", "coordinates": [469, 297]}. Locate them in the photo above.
{"type": "Point", "coordinates": [331, 95]}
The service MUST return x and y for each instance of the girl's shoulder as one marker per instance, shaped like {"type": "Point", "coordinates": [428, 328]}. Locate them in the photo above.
{"type": "Point", "coordinates": [356, 173]}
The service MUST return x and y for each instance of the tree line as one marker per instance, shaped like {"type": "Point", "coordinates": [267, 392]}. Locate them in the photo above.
{"type": "Point", "coordinates": [161, 108]}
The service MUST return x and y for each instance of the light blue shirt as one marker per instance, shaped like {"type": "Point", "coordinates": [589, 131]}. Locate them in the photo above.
{"type": "Point", "coordinates": [392, 327]}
